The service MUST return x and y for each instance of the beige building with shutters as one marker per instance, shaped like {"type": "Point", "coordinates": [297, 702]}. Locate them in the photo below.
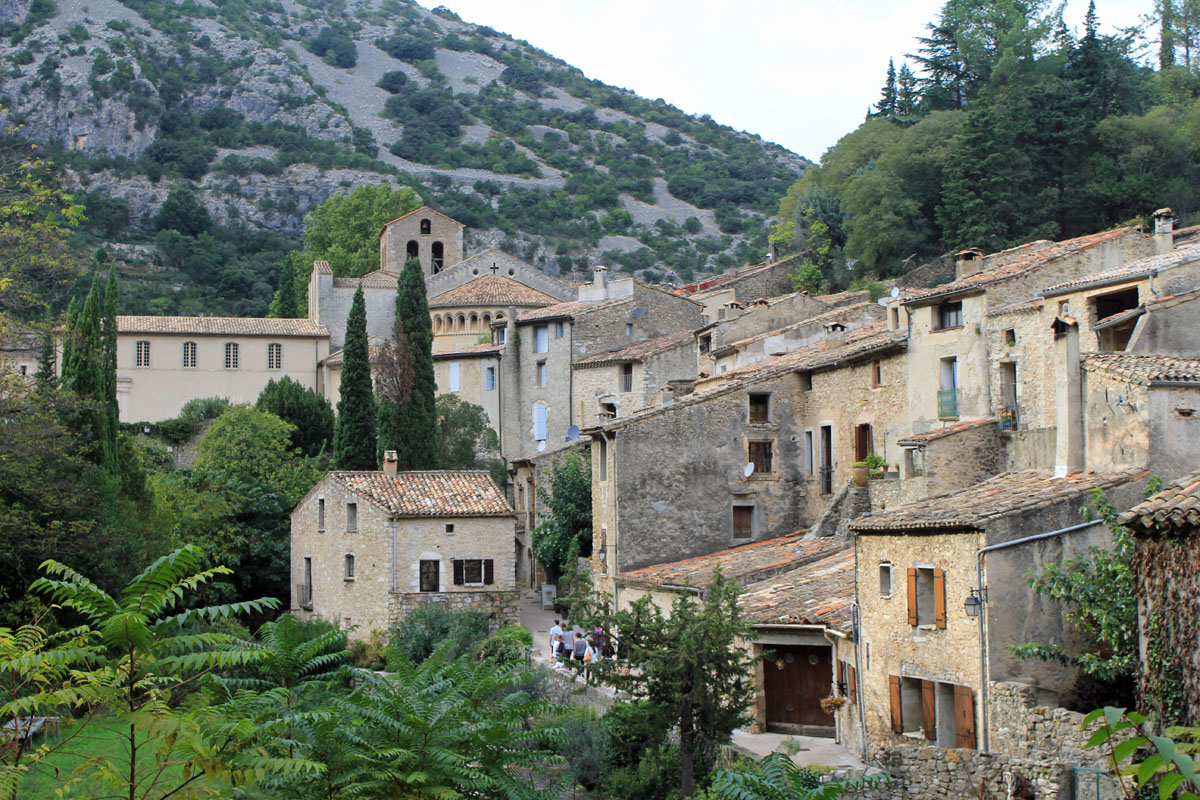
{"type": "Point", "coordinates": [926, 662]}
{"type": "Point", "coordinates": [163, 362]}
{"type": "Point", "coordinates": [369, 547]}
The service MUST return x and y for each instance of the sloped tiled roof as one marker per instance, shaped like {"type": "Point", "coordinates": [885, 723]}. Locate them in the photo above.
{"type": "Point", "coordinates": [472, 351]}
{"type": "Point", "coordinates": [570, 309]}
{"type": "Point", "coordinates": [825, 316]}
{"type": "Point", "coordinates": [322, 268]}
{"type": "Point", "coordinates": [375, 347]}
{"type": "Point", "coordinates": [860, 343]}
{"type": "Point", "coordinates": [1144, 369]}
{"type": "Point", "coordinates": [638, 351]}
{"type": "Point", "coordinates": [492, 290]}
{"type": "Point", "coordinates": [1032, 304]}
{"type": "Point", "coordinates": [1014, 268]}
{"type": "Point", "coordinates": [422, 209]}
{"type": "Point", "coordinates": [949, 430]}
{"type": "Point", "coordinates": [221, 326]}
{"type": "Point", "coordinates": [372, 280]}
{"type": "Point", "coordinates": [820, 593]}
{"type": "Point", "coordinates": [1175, 507]}
{"type": "Point", "coordinates": [1134, 269]}
{"type": "Point", "coordinates": [739, 563]}
{"type": "Point", "coordinates": [432, 493]}
{"type": "Point", "coordinates": [1006, 494]}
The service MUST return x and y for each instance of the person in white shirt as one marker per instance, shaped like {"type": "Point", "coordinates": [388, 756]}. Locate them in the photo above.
{"type": "Point", "coordinates": [555, 631]}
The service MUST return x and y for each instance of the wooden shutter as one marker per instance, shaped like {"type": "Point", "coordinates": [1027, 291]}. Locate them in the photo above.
{"type": "Point", "coordinates": [841, 674]}
{"type": "Point", "coordinates": [964, 717]}
{"type": "Point", "coordinates": [928, 711]}
{"type": "Point", "coordinates": [458, 572]}
{"type": "Point", "coordinates": [488, 571]}
{"type": "Point", "coordinates": [939, 598]}
{"type": "Point", "coordinates": [853, 684]}
{"type": "Point", "coordinates": [912, 596]}
{"type": "Point", "coordinates": [897, 709]}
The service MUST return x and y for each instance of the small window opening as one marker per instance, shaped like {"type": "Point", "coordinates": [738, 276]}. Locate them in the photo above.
{"type": "Point", "coordinates": [1010, 336]}
{"type": "Point", "coordinates": [321, 514]}
{"type": "Point", "coordinates": [760, 407]}
{"type": "Point", "coordinates": [806, 382]}
{"type": "Point", "coordinates": [949, 315]}
{"type": "Point", "coordinates": [352, 516]}
{"type": "Point", "coordinates": [429, 575]}
{"type": "Point", "coordinates": [627, 377]}
{"type": "Point", "coordinates": [885, 580]}
{"type": "Point", "coordinates": [426, 227]}
{"type": "Point", "coordinates": [760, 454]}
{"type": "Point", "coordinates": [349, 567]}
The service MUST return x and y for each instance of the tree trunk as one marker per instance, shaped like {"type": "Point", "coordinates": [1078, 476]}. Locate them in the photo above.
{"type": "Point", "coordinates": [687, 735]}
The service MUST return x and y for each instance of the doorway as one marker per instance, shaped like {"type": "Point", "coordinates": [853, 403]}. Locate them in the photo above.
{"type": "Point", "coordinates": [864, 442]}
{"type": "Point", "coordinates": [795, 678]}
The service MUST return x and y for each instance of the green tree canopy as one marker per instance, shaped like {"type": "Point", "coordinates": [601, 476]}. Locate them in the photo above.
{"type": "Point", "coordinates": [410, 428]}
{"type": "Point", "coordinates": [307, 412]}
{"type": "Point", "coordinates": [465, 439]}
{"type": "Point", "coordinates": [568, 527]}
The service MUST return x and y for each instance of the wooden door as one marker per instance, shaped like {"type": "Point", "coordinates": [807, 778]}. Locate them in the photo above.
{"type": "Point", "coordinates": [864, 442]}
{"type": "Point", "coordinates": [796, 678]}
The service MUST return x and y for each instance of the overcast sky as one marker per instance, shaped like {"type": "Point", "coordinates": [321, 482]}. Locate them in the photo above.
{"type": "Point", "coordinates": [798, 72]}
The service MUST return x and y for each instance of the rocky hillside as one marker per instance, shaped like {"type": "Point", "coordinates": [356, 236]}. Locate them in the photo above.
{"type": "Point", "coordinates": [271, 106]}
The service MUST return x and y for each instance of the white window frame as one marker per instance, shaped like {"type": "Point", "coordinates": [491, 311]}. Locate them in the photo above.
{"type": "Point", "coordinates": [189, 355]}
{"type": "Point", "coordinates": [541, 339]}
{"type": "Point", "coordinates": [142, 353]}
{"type": "Point", "coordinates": [231, 355]}
{"type": "Point", "coordinates": [274, 356]}
{"type": "Point", "coordinates": [540, 417]}
{"type": "Point", "coordinates": [489, 379]}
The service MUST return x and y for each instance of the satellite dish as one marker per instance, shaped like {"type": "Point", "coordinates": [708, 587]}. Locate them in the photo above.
{"type": "Point", "coordinates": [639, 313]}
{"type": "Point", "coordinates": [748, 470]}
{"type": "Point", "coordinates": [541, 445]}
{"type": "Point", "coordinates": [895, 291]}
{"type": "Point", "coordinates": [572, 433]}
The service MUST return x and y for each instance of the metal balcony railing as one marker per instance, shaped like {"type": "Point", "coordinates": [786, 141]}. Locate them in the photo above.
{"type": "Point", "coordinates": [626, 383]}
{"type": "Point", "coordinates": [304, 595]}
{"type": "Point", "coordinates": [948, 404]}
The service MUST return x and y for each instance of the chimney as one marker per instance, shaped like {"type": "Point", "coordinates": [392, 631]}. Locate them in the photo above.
{"type": "Point", "coordinates": [1068, 445]}
{"type": "Point", "coordinates": [967, 263]}
{"type": "Point", "coordinates": [600, 279]}
{"type": "Point", "coordinates": [835, 335]}
{"type": "Point", "coordinates": [1164, 231]}
{"type": "Point", "coordinates": [390, 462]}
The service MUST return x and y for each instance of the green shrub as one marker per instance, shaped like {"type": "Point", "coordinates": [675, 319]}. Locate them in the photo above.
{"type": "Point", "coordinates": [634, 729]}
{"type": "Point", "coordinates": [204, 408]}
{"type": "Point", "coordinates": [518, 632]}
{"type": "Point", "coordinates": [501, 650]}
{"type": "Point", "coordinates": [584, 745]}
{"type": "Point", "coordinates": [420, 633]}
{"type": "Point", "coordinates": [176, 430]}
{"type": "Point", "coordinates": [393, 82]}
{"type": "Point", "coordinates": [655, 777]}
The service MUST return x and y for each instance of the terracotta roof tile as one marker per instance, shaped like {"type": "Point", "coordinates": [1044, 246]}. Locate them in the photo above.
{"type": "Point", "coordinates": [473, 351]}
{"type": "Point", "coordinates": [492, 290]}
{"type": "Point", "coordinates": [825, 316]}
{"type": "Point", "coordinates": [819, 593]}
{"type": "Point", "coordinates": [1032, 304]}
{"type": "Point", "coordinates": [1144, 369]}
{"type": "Point", "coordinates": [432, 493]}
{"type": "Point", "coordinates": [949, 430]}
{"type": "Point", "coordinates": [746, 564]}
{"type": "Point", "coordinates": [375, 347]}
{"type": "Point", "coordinates": [1176, 507]}
{"type": "Point", "coordinates": [425, 209]}
{"type": "Point", "coordinates": [1006, 494]}
{"type": "Point", "coordinates": [570, 309]}
{"type": "Point", "coordinates": [372, 280]}
{"type": "Point", "coordinates": [222, 326]}
{"type": "Point", "coordinates": [639, 351]}
{"type": "Point", "coordinates": [1015, 267]}
{"type": "Point", "coordinates": [1134, 269]}
{"type": "Point", "coordinates": [322, 268]}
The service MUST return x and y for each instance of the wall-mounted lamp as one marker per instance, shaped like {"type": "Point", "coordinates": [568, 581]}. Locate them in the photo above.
{"type": "Point", "coordinates": [602, 553]}
{"type": "Point", "coordinates": [973, 604]}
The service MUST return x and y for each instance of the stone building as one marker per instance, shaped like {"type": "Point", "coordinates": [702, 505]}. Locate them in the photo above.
{"type": "Point", "coordinates": [424, 234]}
{"type": "Point", "coordinates": [369, 547]}
{"type": "Point", "coordinates": [750, 455]}
{"type": "Point", "coordinates": [541, 347]}
{"type": "Point", "coordinates": [20, 350]}
{"type": "Point", "coordinates": [463, 315]}
{"type": "Point", "coordinates": [163, 362]}
{"type": "Point", "coordinates": [1166, 566]}
{"type": "Point", "coordinates": [927, 662]}
{"type": "Point", "coordinates": [472, 373]}
{"type": "Point", "coordinates": [632, 377]}
{"type": "Point", "coordinates": [527, 476]}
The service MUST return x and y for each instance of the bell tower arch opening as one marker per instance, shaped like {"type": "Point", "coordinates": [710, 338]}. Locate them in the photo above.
{"type": "Point", "coordinates": [413, 249]}
{"type": "Point", "coordinates": [438, 257]}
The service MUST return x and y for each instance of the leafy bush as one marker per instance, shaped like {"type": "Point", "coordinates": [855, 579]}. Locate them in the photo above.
{"type": "Point", "coordinates": [634, 729]}
{"type": "Point", "coordinates": [585, 747]}
{"type": "Point", "coordinates": [369, 653]}
{"type": "Point", "coordinates": [423, 630]}
{"type": "Point", "coordinates": [655, 777]}
{"type": "Point", "coordinates": [518, 632]}
{"type": "Point", "coordinates": [393, 82]}
{"type": "Point", "coordinates": [406, 48]}
{"type": "Point", "coordinates": [501, 649]}
{"type": "Point", "coordinates": [335, 47]}
{"type": "Point", "coordinates": [204, 408]}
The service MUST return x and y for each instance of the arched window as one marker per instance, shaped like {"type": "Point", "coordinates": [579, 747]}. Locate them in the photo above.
{"type": "Point", "coordinates": [426, 227]}
{"type": "Point", "coordinates": [231, 355]}
{"type": "Point", "coordinates": [414, 249]}
{"type": "Point", "coordinates": [487, 320]}
{"type": "Point", "coordinates": [462, 323]}
{"type": "Point", "coordinates": [143, 353]}
{"type": "Point", "coordinates": [437, 323]}
{"type": "Point", "coordinates": [189, 355]}
{"type": "Point", "coordinates": [438, 252]}
{"type": "Point", "coordinates": [274, 356]}
{"type": "Point", "coordinates": [474, 322]}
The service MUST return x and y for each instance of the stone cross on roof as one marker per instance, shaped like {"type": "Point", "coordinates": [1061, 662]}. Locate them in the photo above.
{"type": "Point", "coordinates": [495, 269]}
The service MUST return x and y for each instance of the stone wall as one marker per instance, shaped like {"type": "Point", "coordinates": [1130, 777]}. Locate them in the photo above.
{"type": "Point", "coordinates": [1039, 742]}
{"type": "Point", "coordinates": [1031, 449]}
{"type": "Point", "coordinates": [963, 459]}
{"type": "Point", "coordinates": [504, 607]}
{"type": "Point", "coordinates": [768, 280]}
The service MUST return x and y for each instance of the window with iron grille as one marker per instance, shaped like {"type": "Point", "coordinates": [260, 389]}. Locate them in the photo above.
{"type": "Point", "coordinates": [274, 356]}
{"type": "Point", "coordinates": [760, 455]}
{"type": "Point", "coordinates": [231, 355]}
{"type": "Point", "coordinates": [189, 355]}
{"type": "Point", "coordinates": [143, 353]}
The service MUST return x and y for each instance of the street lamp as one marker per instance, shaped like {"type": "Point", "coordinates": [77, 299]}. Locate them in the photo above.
{"type": "Point", "coordinates": [973, 604]}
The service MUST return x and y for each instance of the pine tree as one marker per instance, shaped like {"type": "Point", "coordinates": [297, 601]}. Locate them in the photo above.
{"type": "Point", "coordinates": [908, 97]}
{"type": "Point", "coordinates": [411, 428]}
{"type": "Point", "coordinates": [887, 100]}
{"type": "Point", "coordinates": [1166, 46]}
{"type": "Point", "coordinates": [354, 434]}
{"type": "Point", "coordinates": [68, 353]}
{"type": "Point", "coordinates": [112, 299]}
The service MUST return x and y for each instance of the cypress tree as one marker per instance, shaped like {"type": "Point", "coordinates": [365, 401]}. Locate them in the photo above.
{"type": "Point", "coordinates": [112, 299]}
{"type": "Point", "coordinates": [887, 97]}
{"type": "Point", "coordinates": [411, 428]}
{"type": "Point", "coordinates": [68, 353]}
{"type": "Point", "coordinates": [88, 380]}
{"type": "Point", "coordinates": [285, 299]}
{"type": "Point", "coordinates": [354, 434]}
{"type": "Point", "coordinates": [47, 364]}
